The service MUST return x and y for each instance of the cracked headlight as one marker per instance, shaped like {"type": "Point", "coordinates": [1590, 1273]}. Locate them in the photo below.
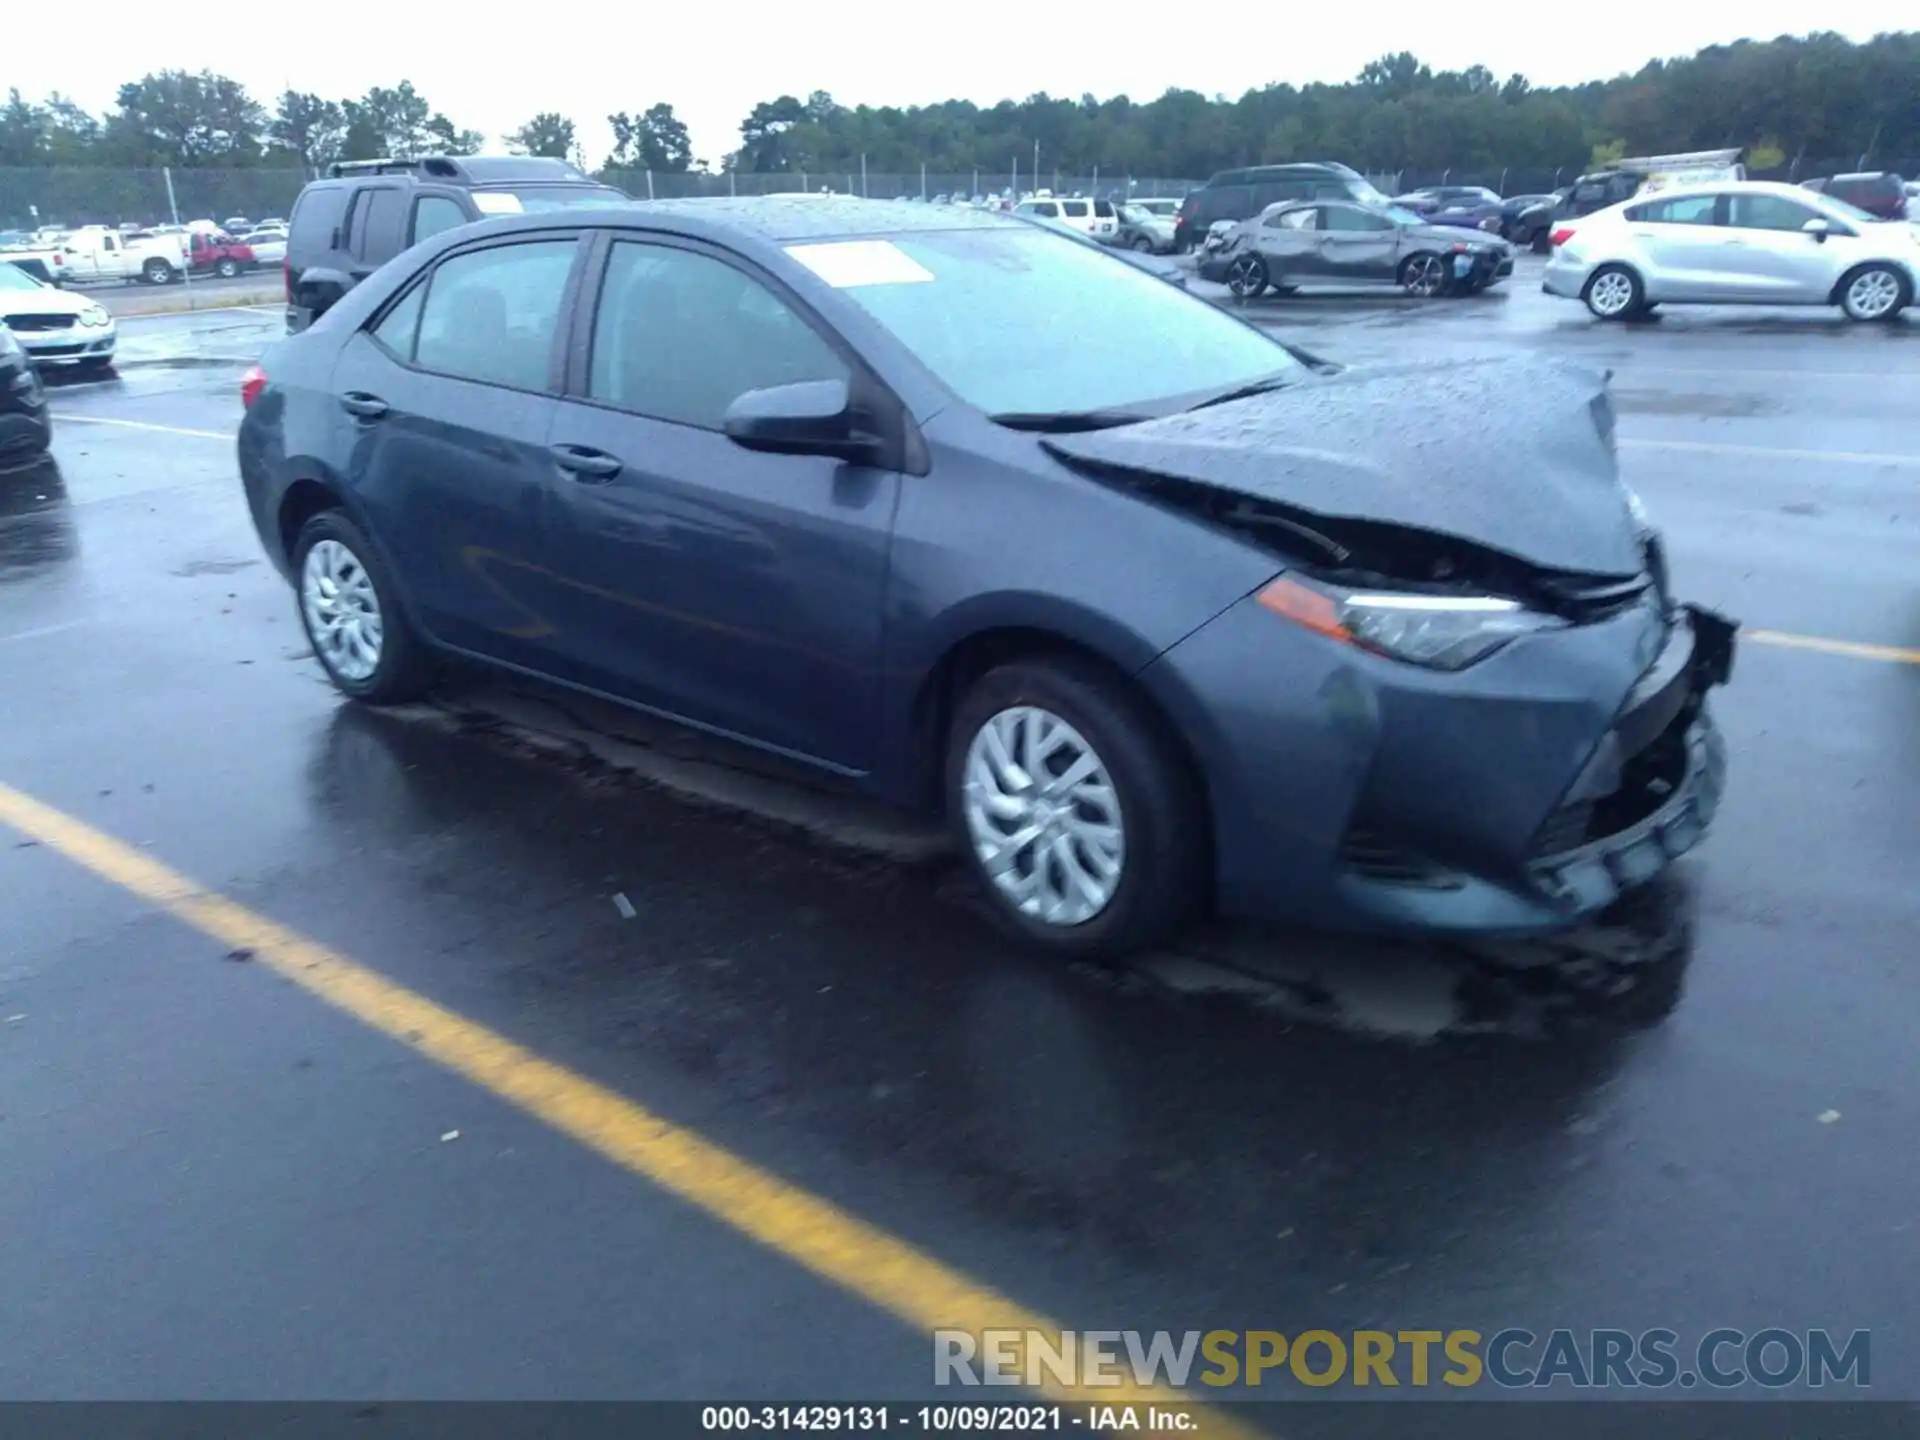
{"type": "Point", "coordinates": [1441, 632]}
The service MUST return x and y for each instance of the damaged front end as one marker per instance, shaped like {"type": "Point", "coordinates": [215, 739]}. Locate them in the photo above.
{"type": "Point", "coordinates": [1511, 727]}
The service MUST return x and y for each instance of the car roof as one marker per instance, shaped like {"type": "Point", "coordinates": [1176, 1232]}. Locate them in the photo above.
{"type": "Point", "coordinates": [779, 219]}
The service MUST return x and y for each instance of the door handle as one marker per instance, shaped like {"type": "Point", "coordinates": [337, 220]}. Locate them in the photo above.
{"type": "Point", "coordinates": [585, 463]}
{"type": "Point", "coordinates": [367, 407]}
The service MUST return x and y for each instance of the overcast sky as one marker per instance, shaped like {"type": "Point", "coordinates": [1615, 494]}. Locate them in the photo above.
{"type": "Point", "coordinates": [713, 61]}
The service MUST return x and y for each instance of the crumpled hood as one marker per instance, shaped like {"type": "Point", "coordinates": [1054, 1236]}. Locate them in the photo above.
{"type": "Point", "coordinates": [1501, 452]}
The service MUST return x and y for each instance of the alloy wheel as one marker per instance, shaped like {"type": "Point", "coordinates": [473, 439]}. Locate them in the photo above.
{"type": "Point", "coordinates": [342, 610]}
{"type": "Point", "coordinates": [1043, 816]}
{"type": "Point", "coordinates": [1246, 276]}
{"type": "Point", "coordinates": [1612, 294]}
{"type": "Point", "coordinates": [1425, 276]}
{"type": "Point", "coordinates": [1873, 295]}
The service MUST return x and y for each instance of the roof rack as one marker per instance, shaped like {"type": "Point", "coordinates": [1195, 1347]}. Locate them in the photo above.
{"type": "Point", "coordinates": [426, 165]}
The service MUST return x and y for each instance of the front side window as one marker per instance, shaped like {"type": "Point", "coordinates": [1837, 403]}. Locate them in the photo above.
{"type": "Point", "coordinates": [491, 315]}
{"type": "Point", "coordinates": [1047, 210]}
{"type": "Point", "coordinates": [433, 214]}
{"type": "Point", "coordinates": [399, 327]}
{"type": "Point", "coordinates": [680, 336]}
{"type": "Point", "coordinates": [1767, 212]}
{"type": "Point", "coordinates": [1074, 209]}
{"type": "Point", "coordinates": [1347, 218]}
{"type": "Point", "coordinates": [963, 301]}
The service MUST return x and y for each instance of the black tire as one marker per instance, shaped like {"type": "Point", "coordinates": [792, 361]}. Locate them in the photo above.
{"type": "Point", "coordinates": [227, 268]}
{"type": "Point", "coordinates": [1162, 819]}
{"type": "Point", "coordinates": [157, 272]}
{"type": "Point", "coordinates": [1142, 244]}
{"type": "Point", "coordinates": [1605, 284]}
{"type": "Point", "coordinates": [1246, 276]}
{"type": "Point", "coordinates": [404, 669]}
{"type": "Point", "coordinates": [1540, 242]}
{"type": "Point", "coordinates": [1886, 278]}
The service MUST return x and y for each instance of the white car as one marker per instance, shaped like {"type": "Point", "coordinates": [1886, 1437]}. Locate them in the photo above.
{"type": "Point", "coordinates": [1089, 217]}
{"type": "Point", "coordinates": [1734, 243]}
{"type": "Point", "coordinates": [55, 327]}
{"type": "Point", "coordinates": [269, 245]}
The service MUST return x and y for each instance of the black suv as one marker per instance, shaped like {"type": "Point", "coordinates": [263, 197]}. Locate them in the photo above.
{"type": "Point", "coordinates": [365, 212]}
{"type": "Point", "coordinates": [1243, 193]}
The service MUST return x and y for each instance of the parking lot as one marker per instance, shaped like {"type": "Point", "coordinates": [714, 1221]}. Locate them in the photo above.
{"type": "Point", "coordinates": [433, 1054]}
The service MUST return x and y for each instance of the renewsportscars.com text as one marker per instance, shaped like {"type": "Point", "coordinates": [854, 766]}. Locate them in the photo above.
{"type": "Point", "coordinates": [1598, 1359]}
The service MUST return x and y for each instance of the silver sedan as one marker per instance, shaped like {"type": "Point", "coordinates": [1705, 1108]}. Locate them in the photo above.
{"type": "Point", "coordinates": [1735, 243]}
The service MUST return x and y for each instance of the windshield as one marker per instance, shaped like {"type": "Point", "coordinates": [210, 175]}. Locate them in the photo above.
{"type": "Point", "coordinates": [511, 200]}
{"type": "Point", "coordinates": [12, 277]}
{"type": "Point", "coordinates": [1365, 193]}
{"type": "Point", "coordinates": [1007, 319]}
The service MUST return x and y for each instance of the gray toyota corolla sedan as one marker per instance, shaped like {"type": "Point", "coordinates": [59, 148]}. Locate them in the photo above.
{"type": "Point", "coordinates": [1189, 622]}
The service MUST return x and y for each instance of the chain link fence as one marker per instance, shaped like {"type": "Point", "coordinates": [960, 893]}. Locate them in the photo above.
{"type": "Point", "coordinates": [59, 198]}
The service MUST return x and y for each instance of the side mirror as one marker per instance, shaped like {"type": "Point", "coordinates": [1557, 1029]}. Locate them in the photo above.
{"type": "Point", "coordinates": [1818, 229]}
{"type": "Point", "coordinates": [814, 417]}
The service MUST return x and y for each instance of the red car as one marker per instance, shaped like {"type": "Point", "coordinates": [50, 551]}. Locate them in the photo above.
{"type": "Point", "coordinates": [221, 254]}
{"type": "Point", "coordinates": [1875, 191]}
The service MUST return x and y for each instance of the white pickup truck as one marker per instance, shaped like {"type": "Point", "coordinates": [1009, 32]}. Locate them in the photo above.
{"type": "Point", "coordinates": [95, 252]}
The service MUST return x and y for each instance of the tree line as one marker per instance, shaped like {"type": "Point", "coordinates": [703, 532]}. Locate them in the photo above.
{"type": "Point", "coordinates": [185, 120]}
{"type": "Point", "coordinates": [1813, 99]}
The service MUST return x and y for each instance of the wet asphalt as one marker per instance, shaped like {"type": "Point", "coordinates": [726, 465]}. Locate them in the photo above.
{"type": "Point", "coordinates": [215, 1187]}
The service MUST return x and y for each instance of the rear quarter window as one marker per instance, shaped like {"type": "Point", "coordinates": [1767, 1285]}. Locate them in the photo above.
{"type": "Point", "coordinates": [315, 214]}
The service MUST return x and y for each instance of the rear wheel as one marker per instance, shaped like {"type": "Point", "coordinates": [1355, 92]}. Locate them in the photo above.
{"type": "Point", "coordinates": [1141, 242]}
{"type": "Point", "coordinates": [350, 608]}
{"type": "Point", "coordinates": [1541, 242]}
{"type": "Point", "coordinates": [156, 272]}
{"type": "Point", "coordinates": [1874, 292]}
{"type": "Point", "coordinates": [1613, 292]}
{"type": "Point", "coordinates": [227, 269]}
{"type": "Point", "coordinates": [1247, 276]}
{"type": "Point", "coordinates": [1075, 808]}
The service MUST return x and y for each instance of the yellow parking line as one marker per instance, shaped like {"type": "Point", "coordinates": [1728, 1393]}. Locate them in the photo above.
{"type": "Point", "coordinates": [66, 418]}
{"type": "Point", "coordinates": [1892, 654]}
{"type": "Point", "coordinates": [880, 1268]}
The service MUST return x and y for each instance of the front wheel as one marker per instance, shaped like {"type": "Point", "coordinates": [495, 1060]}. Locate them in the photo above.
{"type": "Point", "coordinates": [1423, 276]}
{"type": "Point", "coordinates": [1247, 277]}
{"type": "Point", "coordinates": [1874, 292]}
{"type": "Point", "coordinates": [350, 609]}
{"type": "Point", "coordinates": [1613, 292]}
{"type": "Point", "coordinates": [1075, 808]}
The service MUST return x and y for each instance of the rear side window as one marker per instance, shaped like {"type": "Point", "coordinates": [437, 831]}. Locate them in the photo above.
{"type": "Point", "coordinates": [1230, 202]}
{"type": "Point", "coordinates": [491, 315]}
{"type": "Point", "coordinates": [1074, 209]}
{"type": "Point", "coordinates": [1103, 209]}
{"type": "Point", "coordinates": [1690, 210]}
{"type": "Point", "coordinates": [376, 224]}
{"type": "Point", "coordinates": [315, 214]}
{"type": "Point", "coordinates": [434, 213]}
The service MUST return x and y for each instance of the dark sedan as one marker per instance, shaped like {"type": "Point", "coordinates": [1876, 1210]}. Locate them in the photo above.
{"type": "Point", "coordinates": [1345, 242]}
{"type": "Point", "coordinates": [25, 430]}
{"type": "Point", "coordinates": [1175, 624]}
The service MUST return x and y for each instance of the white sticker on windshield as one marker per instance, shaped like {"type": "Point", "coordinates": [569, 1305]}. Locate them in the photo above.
{"type": "Point", "coordinates": [845, 264]}
{"type": "Point", "coordinates": [497, 202]}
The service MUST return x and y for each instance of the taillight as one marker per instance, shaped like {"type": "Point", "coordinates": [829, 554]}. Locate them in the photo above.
{"type": "Point", "coordinates": [1562, 235]}
{"type": "Point", "coordinates": [251, 384]}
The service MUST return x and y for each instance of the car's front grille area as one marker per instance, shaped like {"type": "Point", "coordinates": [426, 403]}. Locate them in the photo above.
{"type": "Point", "coordinates": [38, 324]}
{"type": "Point", "coordinates": [1647, 779]}
{"type": "Point", "coordinates": [1373, 857]}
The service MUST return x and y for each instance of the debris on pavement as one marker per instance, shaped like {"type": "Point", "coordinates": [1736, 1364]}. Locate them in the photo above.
{"type": "Point", "coordinates": [624, 905]}
{"type": "Point", "coordinates": [240, 956]}
{"type": "Point", "coordinates": [1827, 1117]}
{"type": "Point", "coordinates": [450, 1135]}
